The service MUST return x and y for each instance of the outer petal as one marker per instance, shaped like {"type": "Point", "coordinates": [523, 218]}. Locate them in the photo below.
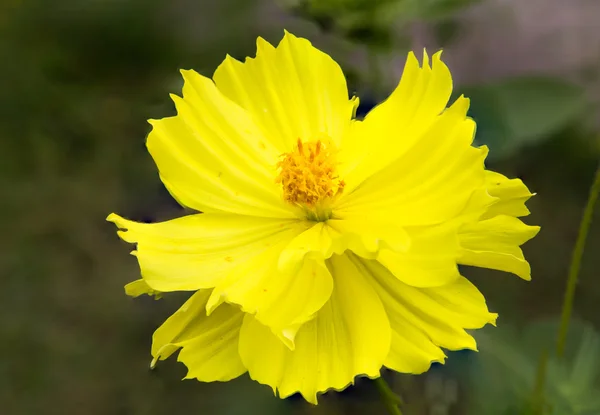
{"type": "Point", "coordinates": [292, 91]}
{"type": "Point", "coordinates": [212, 157]}
{"type": "Point", "coordinates": [391, 129]}
{"type": "Point", "coordinates": [425, 319]}
{"type": "Point", "coordinates": [209, 344]}
{"type": "Point", "coordinates": [511, 193]}
{"type": "Point", "coordinates": [140, 287]}
{"type": "Point", "coordinates": [431, 259]}
{"type": "Point", "coordinates": [494, 243]}
{"type": "Point", "coordinates": [281, 300]}
{"type": "Point", "coordinates": [431, 183]}
{"type": "Point", "coordinates": [198, 251]}
{"type": "Point", "coordinates": [350, 336]}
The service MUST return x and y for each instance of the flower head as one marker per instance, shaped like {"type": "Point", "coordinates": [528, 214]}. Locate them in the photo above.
{"type": "Point", "coordinates": [327, 247]}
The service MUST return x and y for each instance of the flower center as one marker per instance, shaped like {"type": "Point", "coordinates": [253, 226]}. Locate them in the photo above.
{"type": "Point", "coordinates": [308, 178]}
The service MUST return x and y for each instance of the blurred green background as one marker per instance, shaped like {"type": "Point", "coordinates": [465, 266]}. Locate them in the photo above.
{"type": "Point", "coordinates": [78, 79]}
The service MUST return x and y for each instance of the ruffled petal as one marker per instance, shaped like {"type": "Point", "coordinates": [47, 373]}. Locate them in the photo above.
{"type": "Point", "coordinates": [198, 251]}
{"type": "Point", "coordinates": [281, 300]}
{"type": "Point", "coordinates": [494, 243]}
{"type": "Point", "coordinates": [212, 157]}
{"type": "Point", "coordinates": [432, 182]}
{"type": "Point", "coordinates": [392, 128]}
{"type": "Point", "coordinates": [319, 242]}
{"type": "Point", "coordinates": [292, 91]}
{"type": "Point", "coordinates": [209, 343]}
{"type": "Point", "coordinates": [411, 349]}
{"type": "Point", "coordinates": [511, 193]}
{"type": "Point", "coordinates": [430, 260]}
{"type": "Point", "coordinates": [425, 319]}
{"type": "Point", "coordinates": [350, 336]}
{"type": "Point", "coordinates": [366, 236]}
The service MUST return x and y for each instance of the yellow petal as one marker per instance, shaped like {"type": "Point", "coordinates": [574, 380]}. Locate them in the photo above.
{"type": "Point", "coordinates": [140, 287]}
{"type": "Point", "coordinates": [494, 243]}
{"type": "Point", "coordinates": [209, 344]}
{"type": "Point", "coordinates": [318, 242]}
{"type": "Point", "coordinates": [350, 336]}
{"type": "Point", "coordinates": [292, 91]}
{"type": "Point", "coordinates": [366, 236]}
{"type": "Point", "coordinates": [411, 349]}
{"type": "Point", "coordinates": [431, 183]}
{"type": "Point", "coordinates": [212, 157]}
{"type": "Point", "coordinates": [425, 319]}
{"type": "Point", "coordinates": [392, 128]}
{"type": "Point", "coordinates": [197, 251]}
{"type": "Point", "coordinates": [282, 301]}
{"type": "Point", "coordinates": [363, 236]}
{"type": "Point", "coordinates": [511, 193]}
{"type": "Point", "coordinates": [479, 203]}
{"type": "Point", "coordinates": [429, 262]}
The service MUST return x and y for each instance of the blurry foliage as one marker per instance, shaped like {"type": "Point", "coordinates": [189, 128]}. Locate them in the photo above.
{"type": "Point", "coordinates": [81, 76]}
{"type": "Point", "coordinates": [519, 112]}
{"type": "Point", "coordinates": [370, 22]}
{"type": "Point", "coordinates": [78, 72]}
{"type": "Point", "coordinates": [503, 377]}
{"type": "Point", "coordinates": [75, 91]}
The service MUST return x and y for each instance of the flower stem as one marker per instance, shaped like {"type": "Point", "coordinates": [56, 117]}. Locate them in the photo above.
{"type": "Point", "coordinates": [584, 227]}
{"type": "Point", "coordinates": [538, 401]}
{"type": "Point", "coordinates": [390, 399]}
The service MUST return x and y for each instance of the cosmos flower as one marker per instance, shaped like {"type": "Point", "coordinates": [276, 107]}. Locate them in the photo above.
{"type": "Point", "coordinates": [326, 247]}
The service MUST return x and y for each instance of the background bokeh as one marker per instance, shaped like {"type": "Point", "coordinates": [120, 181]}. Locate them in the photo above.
{"type": "Point", "coordinates": [79, 79]}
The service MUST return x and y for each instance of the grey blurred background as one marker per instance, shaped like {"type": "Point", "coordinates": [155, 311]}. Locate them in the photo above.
{"type": "Point", "coordinates": [78, 79]}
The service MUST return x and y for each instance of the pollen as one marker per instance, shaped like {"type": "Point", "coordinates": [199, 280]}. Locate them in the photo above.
{"type": "Point", "coordinates": [308, 174]}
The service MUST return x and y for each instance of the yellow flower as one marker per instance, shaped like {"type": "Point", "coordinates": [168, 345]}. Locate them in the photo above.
{"type": "Point", "coordinates": [328, 246]}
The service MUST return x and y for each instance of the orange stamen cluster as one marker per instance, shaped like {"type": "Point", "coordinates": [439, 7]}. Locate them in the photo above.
{"type": "Point", "coordinates": [307, 174]}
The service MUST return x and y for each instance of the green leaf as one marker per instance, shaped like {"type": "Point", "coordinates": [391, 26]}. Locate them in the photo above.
{"type": "Point", "coordinates": [505, 374]}
{"type": "Point", "coordinates": [522, 111]}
